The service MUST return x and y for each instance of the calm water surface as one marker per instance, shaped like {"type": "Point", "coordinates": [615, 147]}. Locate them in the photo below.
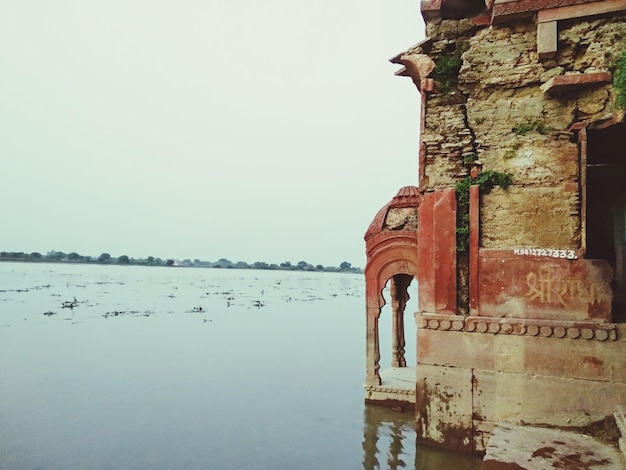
{"type": "Point", "coordinates": [160, 368]}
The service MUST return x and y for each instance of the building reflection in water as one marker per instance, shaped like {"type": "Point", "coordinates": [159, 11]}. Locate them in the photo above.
{"type": "Point", "coordinates": [389, 443]}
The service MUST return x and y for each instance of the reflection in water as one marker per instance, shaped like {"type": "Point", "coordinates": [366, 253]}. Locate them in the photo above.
{"type": "Point", "coordinates": [388, 439]}
{"type": "Point", "coordinates": [389, 443]}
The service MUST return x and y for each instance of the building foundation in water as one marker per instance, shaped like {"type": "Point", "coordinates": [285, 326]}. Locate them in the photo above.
{"type": "Point", "coordinates": [516, 235]}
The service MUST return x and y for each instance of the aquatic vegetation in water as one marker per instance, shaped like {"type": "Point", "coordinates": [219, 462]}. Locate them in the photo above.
{"type": "Point", "coordinates": [120, 313]}
{"type": "Point", "coordinates": [70, 303]}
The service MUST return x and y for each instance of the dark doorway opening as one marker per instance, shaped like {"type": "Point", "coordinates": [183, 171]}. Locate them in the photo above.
{"type": "Point", "coordinates": [606, 206]}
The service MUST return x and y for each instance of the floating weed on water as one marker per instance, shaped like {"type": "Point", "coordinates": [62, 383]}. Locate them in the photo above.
{"type": "Point", "coordinates": [114, 313]}
{"type": "Point", "coordinates": [258, 304]}
{"type": "Point", "coordinates": [132, 313]}
{"type": "Point", "coordinates": [70, 303]}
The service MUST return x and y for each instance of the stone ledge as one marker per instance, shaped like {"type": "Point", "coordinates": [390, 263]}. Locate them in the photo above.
{"type": "Point", "coordinates": [567, 82]}
{"type": "Point", "coordinates": [542, 328]}
{"type": "Point", "coordinates": [518, 326]}
{"type": "Point", "coordinates": [436, 321]}
{"type": "Point", "coordinates": [394, 391]}
{"type": "Point", "coordinates": [389, 396]}
{"type": "Point", "coordinates": [524, 447]}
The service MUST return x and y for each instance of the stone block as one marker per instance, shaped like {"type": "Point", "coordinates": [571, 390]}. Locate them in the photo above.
{"type": "Point", "coordinates": [510, 218]}
{"type": "Point", "coordinates": [547, 39]}
{"type": "Point", "coordinates": [444, 407]}
{"type": "Point", "coordinates": [575, 358]}
{"type": "Point", "coordinates": [534, 399]}
{"type": "Point", "coordinates": [455, 349]}
{"type": "Point", "coordinates": [570, 358]}
{"type": "Point", "coordinates": [482, 433]}
{"type": "Point", "coordinates": [544, 284]}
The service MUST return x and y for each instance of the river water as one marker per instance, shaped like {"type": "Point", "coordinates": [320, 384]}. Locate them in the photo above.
{"type": "Point", "coordinates": [188, 368]}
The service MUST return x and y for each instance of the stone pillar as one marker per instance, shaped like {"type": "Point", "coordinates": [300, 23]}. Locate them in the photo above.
{"type": "Point", "coordinates": [399, 285]}
{"type": "Point", "coordinates": [372, 343]}
{"type": "Point", "coordinates": [436, 252]}
{"type": "Point", "coordinates": [474, 244]}
{"type": "Point", "coordinates": [397, 328]}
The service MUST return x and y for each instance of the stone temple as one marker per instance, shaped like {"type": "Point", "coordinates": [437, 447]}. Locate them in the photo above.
{"type": "Point", "coordinates": [515, 232]}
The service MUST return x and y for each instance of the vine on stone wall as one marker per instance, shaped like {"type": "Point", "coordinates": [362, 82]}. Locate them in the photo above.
{"type": "Point", "coordinates": [486, 181]}
{"type": "Point", "coordinates": [446, 72]}
{"type": "Point", "coordinates": [524, 127]}
{"type": "Point", "coordinates": [619, 80]}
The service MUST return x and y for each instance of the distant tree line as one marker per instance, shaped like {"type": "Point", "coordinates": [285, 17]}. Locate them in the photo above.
{"type": "Point", "coordinates": [222, 263]}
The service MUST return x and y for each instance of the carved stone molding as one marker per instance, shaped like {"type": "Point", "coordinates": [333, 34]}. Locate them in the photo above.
{"type": "Point", "coordinates": [436, 321]}
{"type": "Point", "coordinates": [518, 326]}
{"type": "Point", "coordinates": [395, 391]}
{"type": "Point", "coordinates": [542, 328]}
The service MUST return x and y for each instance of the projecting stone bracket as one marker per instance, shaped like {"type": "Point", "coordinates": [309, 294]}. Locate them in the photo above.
{"type": "Point", "coordinates": [575, 80]}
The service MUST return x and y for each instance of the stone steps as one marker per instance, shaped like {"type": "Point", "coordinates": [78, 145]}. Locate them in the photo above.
{"type": "Point", "coordinates": [620, 419]}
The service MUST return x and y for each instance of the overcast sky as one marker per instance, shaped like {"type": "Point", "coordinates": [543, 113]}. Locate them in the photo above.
{"type": "Point", "coordinates": [255, 131]}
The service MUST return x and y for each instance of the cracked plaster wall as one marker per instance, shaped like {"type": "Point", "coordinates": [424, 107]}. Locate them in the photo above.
{"type": "Point", "coordinates": [498, 93]}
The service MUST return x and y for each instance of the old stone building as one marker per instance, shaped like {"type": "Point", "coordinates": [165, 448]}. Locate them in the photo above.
{"type": "Point", "coordinates": [519, 244]}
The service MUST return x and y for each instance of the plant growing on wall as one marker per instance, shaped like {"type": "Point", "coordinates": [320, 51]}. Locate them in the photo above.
{"type": "Point", "coordinates": [447, 67]}
{"type": "Point", "coordinates": [486, 181]}
{"type": "Point", "coordinates": [619, 80]}
{"type": "Point", "coordinates": [524, 127]}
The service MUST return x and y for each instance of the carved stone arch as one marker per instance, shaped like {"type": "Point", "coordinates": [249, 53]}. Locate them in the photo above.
{"type": "Point", "coordinates": [389, 262]}
{"type": "Point", "coordinates": [391, 244]}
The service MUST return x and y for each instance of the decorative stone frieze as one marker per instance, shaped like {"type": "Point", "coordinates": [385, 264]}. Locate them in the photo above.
{"type": "Point", "coordinates": [434, 321]}
{"type": "Point", "coordinates": [519, 327]}
{"type": "Point", "coordinates": [390, 390]}
{"type": "Point", "coordinates": [542, 328]}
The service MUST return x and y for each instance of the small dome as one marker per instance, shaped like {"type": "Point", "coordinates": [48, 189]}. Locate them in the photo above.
{"type": "Point", "coordinates": [408, 196]}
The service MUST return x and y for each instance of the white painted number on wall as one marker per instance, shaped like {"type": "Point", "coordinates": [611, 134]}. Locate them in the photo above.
{"type": "Point", "coordinates": [550, 252]}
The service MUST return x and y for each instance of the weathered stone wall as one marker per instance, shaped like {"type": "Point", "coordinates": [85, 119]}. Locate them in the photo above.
{"type": "Point", "coordinates": [481, 379]}
{"type": "Point", "coordinates": [538, 345]}
{"type": "Point", "coordinates": [497, 111]}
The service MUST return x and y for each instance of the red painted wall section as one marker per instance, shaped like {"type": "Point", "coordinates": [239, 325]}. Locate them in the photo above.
{"type": "Point", "coordinates": [474, 244]}
{"type": "Point", "coordinates": [436, 252]}
{"type": "Point", "coordinates": [528, 283]}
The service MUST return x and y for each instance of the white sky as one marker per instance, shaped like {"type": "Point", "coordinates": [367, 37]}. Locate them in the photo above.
{"type": "Point", "coordinates": [255, 131]}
